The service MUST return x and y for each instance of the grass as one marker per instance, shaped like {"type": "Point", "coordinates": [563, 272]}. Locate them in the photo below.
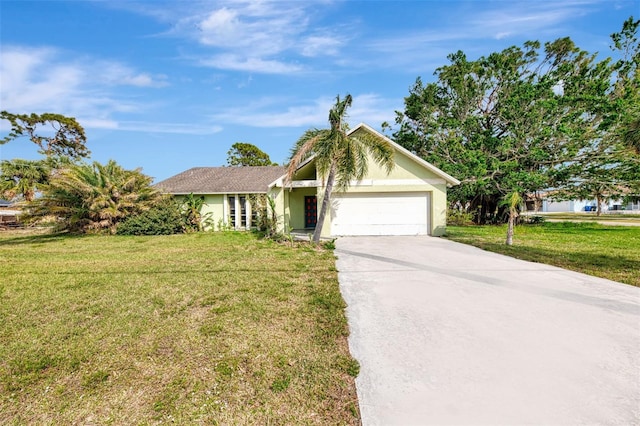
{"type": "Point", "coordinates": [611, 252]}
{"type": "Point", "coordinates": [212, 328]}
{"type": "Point", "coordinates": [605, 217]}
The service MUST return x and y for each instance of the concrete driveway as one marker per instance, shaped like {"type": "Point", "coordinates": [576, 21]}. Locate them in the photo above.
{"type": "Point", "coordinates": [449, 334]}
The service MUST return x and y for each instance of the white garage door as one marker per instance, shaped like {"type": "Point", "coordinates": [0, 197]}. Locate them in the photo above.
{"type": "Point", "coordinates": [380, 214]}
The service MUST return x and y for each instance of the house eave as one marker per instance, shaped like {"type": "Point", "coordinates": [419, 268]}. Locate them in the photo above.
{"type": "Point", "coordinates": [213, 192]}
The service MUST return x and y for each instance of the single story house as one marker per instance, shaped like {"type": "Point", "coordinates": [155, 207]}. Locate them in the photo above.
{"type": "Point", "coordinates": [411, 200]}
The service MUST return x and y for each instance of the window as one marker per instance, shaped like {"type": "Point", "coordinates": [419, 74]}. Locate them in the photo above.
{"type": "Point", "coordinates": [243, 211]}
{"type": "Point", "coordinates": [232, 211]}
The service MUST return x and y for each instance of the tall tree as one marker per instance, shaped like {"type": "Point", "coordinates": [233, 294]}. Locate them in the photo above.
{"type": "Point", "coordinates": [631, 137]}
{"type": "Point", "coordinates": [607, 166]}
{"type": "Point", "coordinates": [246, 154]}
{"type": "Point", "coordinates": [68, 138]}
{"type": "Point", "coordinates": [93, 197]}
{"type": "Point", "coordinates": [627, 96]}
{"type": "Point", "coordinates": [340, 157]}
{"type": "Point", "coordinates": [504, 122]}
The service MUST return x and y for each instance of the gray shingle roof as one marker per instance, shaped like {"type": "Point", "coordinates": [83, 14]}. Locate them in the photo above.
{"type": "Point", "coordinates": [222, 180]}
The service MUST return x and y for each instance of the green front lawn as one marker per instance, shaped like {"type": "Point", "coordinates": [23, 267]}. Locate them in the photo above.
{"type": "Point", "coordinates": [210, 328]}
{"type": "Point", "coordinates": [611, 252]}
{"type": "Point", "coordinates": [605, 217]}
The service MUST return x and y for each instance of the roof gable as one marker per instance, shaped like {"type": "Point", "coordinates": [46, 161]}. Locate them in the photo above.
{"type": "Point", "coordinates": [222, 180]}
{"type": "Point", "coordinates": [405, 152]}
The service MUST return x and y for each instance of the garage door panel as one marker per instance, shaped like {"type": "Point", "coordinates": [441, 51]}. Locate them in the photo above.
{"type": "Point", "coordinates": [380, 214]}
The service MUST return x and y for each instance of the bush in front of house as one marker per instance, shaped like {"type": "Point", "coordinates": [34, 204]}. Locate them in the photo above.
{"type": "Point", "coordinates": [162, 219]}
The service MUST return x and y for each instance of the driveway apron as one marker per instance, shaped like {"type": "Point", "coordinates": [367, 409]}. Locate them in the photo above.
{"type": "Point", "coordinates": [446, 333]}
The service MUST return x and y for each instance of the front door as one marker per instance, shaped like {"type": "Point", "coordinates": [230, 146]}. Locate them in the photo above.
{"type": "Point", "coordinates": [310, 211]}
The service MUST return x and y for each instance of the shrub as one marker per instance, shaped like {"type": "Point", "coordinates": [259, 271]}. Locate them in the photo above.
{"type": "Point", "coordinates": [266, 220]}
{"type": "Point", "coordinates": [162, 219]}
{"type": "Point", "coordinates": [92, 197]}
{"type": "Point", "coordinates": [535, 220]}
{"type": "Point", "coordinates": [457, 217]}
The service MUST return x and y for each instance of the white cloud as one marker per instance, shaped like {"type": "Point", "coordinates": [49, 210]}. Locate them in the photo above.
{"type": "Point", "coordinates": [44, 80]}
{"type": "Point", "coordinates": [254, 36]}
{"type": "Point", "coordinates": [179, 128]}
{"type": "Point", "coordinates": [266, 28]}
{"type": "Point", "coordinates": [427, 49]}
{"type": "Point", "coordinates": [321, 45]}
{"type": "Point", "coordinates": [115, 73]}
{"type": "Point", "coordinates": [367, 108]}
{"type": "Point", "coordinates": [31, 80]}
{"type": "Point", "coordinates": [250, 64]}
{"type": "Point", "coordinates": [526, 19]}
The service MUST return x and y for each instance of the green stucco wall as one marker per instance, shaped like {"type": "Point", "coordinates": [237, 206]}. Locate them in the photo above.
{"type": "Point", "coordinates": [408, 175]}
{"type": "Point", "coordinates": [214, 204]}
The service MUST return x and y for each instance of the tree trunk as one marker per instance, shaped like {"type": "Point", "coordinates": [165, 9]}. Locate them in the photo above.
{"type": "Point", "coordinates": [325, 203]}
{"type": "Point", "coordinates": [512, 221]}
{"type": "Point", "coordinates": [598, 211]}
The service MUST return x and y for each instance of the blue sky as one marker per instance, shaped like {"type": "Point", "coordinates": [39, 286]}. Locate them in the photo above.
{"type": "Point", "coordinates": [169, 85]}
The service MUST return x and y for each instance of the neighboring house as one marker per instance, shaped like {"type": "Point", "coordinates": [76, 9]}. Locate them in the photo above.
{"type": "Point", "coordinates": [411, 200]}
{"type": "Point", "coordinates": [8, 215]}
{"type": "Point", "coordinates": [548, 205]}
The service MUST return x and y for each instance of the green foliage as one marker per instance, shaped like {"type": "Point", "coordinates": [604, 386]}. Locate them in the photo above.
{"type": "Point", "coordinates": [458, 217]}
{"type": "Point", "coordinates": [329, 245]}
{"type": "Point", "coordinates": [161, 219]}
{"type": "Point", "coordinates": [527, 119]}
{"type": "Point", "coordinates": [632, 135]}
{"type": "Point", "coordinates": [608, 165]}
{"type": "Point", "coordinates": [22, 178]}
{"type": "Point", "coordinates": [191, 212]}
{"type": "Point", "coordinates": [512, 202]}
{"type": "Point", "coordinates": [246, 154]}
{"type": "Point", "coordinates": [534, 220]}
{"type": "Point", "coordinates": [68, 140]}
{"type": "Point", "coordinates": [500, 123]}
{"type": "Point", "coordinates": [340, 157]}
{"type": "Point", "coordinates": [92, 197]}
{"type": "Point", "coordinates": [266, 219]}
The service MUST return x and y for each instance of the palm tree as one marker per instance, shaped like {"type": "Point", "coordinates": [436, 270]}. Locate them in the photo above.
{"type": "Point", "coordinates": [22, 178]}
{"type": "Point", "coordinates": [339, 156]}
{"type": "Point", "coordinates": [512, 201]}
{"type": "Point", "coordinates": [93, 197]}
{"type": "Point", "coordinates": [191, 211]}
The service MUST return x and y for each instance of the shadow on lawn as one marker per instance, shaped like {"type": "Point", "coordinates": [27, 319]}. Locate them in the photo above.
{"type": "Point", "coordinates": [579, 227]}
{"type": "Point", "coordinates": [36, 238]}
{"type": "Point", "coordinates": [617, 267]}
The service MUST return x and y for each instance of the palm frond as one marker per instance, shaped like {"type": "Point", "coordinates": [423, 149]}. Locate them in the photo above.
{"type": "Point", "coordinates": [304, 148]}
